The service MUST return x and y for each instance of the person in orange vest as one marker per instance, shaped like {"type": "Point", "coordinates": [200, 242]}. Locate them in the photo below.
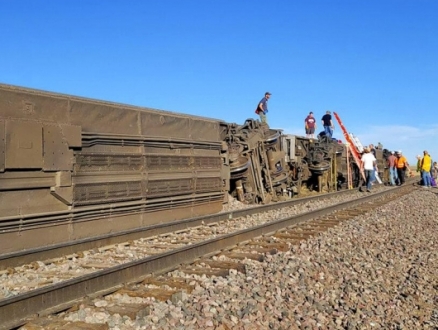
{"type": "Point", "coordinates": [402, 165]}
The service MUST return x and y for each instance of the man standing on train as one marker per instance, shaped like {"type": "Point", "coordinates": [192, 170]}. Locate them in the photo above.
{"type": "Point", "coordinates": [262, 108]}
{"type": "Point", "coordinates": [328, 124]}
{"type": "Point", "coordinates": [310, 124]}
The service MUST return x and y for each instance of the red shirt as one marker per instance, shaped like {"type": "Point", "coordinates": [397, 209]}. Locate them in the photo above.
{"type": "Point", "coordinates": [391, 161]}
{"type": "Point", "coordinates": [310, 121]}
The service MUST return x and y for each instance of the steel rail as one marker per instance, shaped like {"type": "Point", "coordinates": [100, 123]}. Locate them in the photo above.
{"type": "Point", "coordinates": [14, 311]}
{"type": "Point", "coordinates": [52, 251]}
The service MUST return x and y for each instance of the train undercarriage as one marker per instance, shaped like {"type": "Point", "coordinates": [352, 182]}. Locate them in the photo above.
{"type": "Point", "coordinates": [266, 165]}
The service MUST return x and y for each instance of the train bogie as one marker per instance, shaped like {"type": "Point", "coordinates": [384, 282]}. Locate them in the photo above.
{"type": "Point", "coordinates": [267, 165]}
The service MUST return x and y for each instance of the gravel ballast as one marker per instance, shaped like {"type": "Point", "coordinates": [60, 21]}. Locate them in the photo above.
{"type": "Point", "coordinates": [377, 271]}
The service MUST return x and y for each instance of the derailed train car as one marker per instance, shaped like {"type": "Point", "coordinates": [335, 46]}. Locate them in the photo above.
{"type": "Point", "coordinates": [72, 168]}
{"type": "Point", "coordinates": [266, 165]}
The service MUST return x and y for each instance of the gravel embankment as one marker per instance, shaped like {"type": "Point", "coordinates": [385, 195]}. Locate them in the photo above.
{"type": "Point", "coordinates": [38, 274]}
{"type": "Point", "coordinates": [378, 271]}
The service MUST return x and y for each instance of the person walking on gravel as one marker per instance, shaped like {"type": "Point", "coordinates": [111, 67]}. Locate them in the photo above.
{"type": "Point", "coordinates": [426, 166]}
{"type": "Point", "coordinates": [369, 165]}
{"type": "Point", "coordinates": [392, 169]}
{"type": "Point", "coordinates": [434, 174]}
{"type": "Point", "coordinates": [402, 165]}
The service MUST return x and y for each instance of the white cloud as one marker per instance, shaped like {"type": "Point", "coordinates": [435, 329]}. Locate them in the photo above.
{"type": "Point", "coordinates": [412, 140]}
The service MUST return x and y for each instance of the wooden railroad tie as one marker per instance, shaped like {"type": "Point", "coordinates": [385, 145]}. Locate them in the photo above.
{"type": "Point", "coordinates": [207, 271]}
{"type": "Point", "coordinates": [51, 324]}
{"type": "Point", "coordinates": [224, 265]}
{"type": "Point", "coordinates": [242, 256]}
{"type": "Point", "coordinates": [132, 311]}
{"type": "Point", "coordinates": [158, 294]}
{"type": "Point", "coordinates": [172, 282]}
{"type": "Point", "coordinates": [280, 246]}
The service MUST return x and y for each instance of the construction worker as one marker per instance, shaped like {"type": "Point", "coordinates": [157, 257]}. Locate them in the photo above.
{"type": "Point", "coordinates": [402, 165]}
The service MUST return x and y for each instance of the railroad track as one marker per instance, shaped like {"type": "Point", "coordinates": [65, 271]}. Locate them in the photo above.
{"type": "Point", "coordinates": [9, 260]}
{"type": "Point", "coordinates": [14, 311]}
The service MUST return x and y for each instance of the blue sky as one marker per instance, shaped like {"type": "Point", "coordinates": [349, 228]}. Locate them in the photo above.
{"type": "Point", "coordinates": [373, 62]}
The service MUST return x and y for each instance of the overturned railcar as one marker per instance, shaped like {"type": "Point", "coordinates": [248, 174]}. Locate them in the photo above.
{"type": "Point", "coordinates": [266, 165]}
{"type": "Point", "coordinates": [72, 167]}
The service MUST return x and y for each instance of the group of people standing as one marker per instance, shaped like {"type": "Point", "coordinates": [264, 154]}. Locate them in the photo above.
{"type": "Point", "coordinates": [428, 170]}
{"type": "Point", "coordinates": [397, 164]}
{"type": "Point", "coordinates": [327, 123]}
{"type": "Point", "coordinates": [309, 121]}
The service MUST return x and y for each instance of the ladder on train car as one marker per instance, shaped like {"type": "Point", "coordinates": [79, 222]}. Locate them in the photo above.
{"type": "Point", "coordinates": [356, 142]}
{"type": "Point", "coordinates": [352, 147]}
{"type": "Point", "coordinates": [360, 148]}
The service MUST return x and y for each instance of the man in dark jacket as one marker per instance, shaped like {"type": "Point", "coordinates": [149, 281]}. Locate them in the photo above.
{"type": "Point", "coordinates": [328, 124]}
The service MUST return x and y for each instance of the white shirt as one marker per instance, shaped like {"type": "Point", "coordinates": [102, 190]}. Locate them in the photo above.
{"type": "Point", "coordinates": [368, 160]}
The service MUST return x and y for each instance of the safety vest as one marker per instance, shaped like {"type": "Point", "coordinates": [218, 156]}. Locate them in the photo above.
{"type": "Point", "coordinates": [426, 163]}
{"type": "Point", "coordinates": [401, 162]}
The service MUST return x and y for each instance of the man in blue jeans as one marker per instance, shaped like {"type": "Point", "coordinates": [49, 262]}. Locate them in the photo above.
{"type": "Point", "coordinates": [392, 169]}
{"type": "Point", "coordinates": [328, 124]}
{"type": "Point", "coordinates": [368, 165]}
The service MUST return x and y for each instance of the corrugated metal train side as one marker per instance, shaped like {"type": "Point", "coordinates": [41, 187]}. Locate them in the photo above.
{"type": "Point", "coordinates": [72, 168]}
